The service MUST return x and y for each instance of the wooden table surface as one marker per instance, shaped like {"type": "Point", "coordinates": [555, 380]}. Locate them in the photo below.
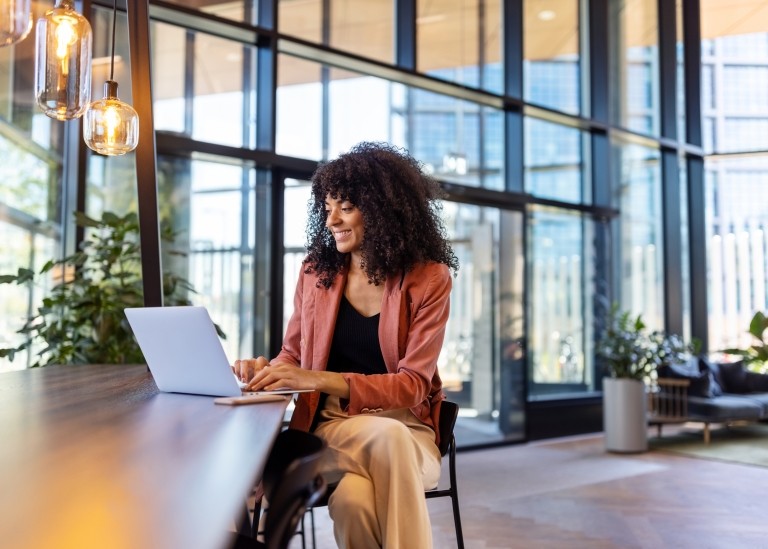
{"type": "Point", "coordinates": [93, 456]}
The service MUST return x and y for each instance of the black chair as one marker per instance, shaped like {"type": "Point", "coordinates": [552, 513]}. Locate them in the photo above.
{"type": "Point", "coordinates": [291, 484]}
{"type": "Point", "coordinates": [449, 411]}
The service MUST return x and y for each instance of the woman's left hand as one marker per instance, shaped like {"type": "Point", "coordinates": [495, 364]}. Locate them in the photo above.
{"type": "Point", "coordinates": [282, 376]}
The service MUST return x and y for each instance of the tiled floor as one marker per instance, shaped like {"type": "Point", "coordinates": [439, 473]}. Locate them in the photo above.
{"type": "Point", "coordinates": [570, 493]}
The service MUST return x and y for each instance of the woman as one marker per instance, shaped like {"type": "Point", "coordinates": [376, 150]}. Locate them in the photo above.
{"type": "Point", "coordinates": [369, 318]}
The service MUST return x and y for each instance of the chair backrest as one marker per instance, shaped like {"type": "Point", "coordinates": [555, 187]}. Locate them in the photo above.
{"type": "Point", "coordinates": [291, 484]}
{"type": "Point", "coordinates": [449, 411]}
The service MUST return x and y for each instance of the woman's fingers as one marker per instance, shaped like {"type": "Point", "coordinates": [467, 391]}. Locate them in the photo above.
{"type": "Point", "coordinates": [246, 368]}
{"type": "Point", "coordinates": [276, 377]}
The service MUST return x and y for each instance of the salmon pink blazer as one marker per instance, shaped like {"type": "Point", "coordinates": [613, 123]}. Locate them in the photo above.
{"type": "Point", "coordinates": [414, 313]}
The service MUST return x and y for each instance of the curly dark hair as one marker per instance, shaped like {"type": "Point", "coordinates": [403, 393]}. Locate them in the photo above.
{"type": "Point", "coordinates": [400, 210]}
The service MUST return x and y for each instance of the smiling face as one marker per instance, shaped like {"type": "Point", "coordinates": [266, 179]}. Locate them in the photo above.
{"type": "Point", "coordinates": [345, 221]}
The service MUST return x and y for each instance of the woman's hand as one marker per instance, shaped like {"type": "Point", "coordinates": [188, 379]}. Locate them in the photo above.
{"type": "Point", "coordinates": [282, 376]}
{"type": "Point", "coordinates": [246, 368]}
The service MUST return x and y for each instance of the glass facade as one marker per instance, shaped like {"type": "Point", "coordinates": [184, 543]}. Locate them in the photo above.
{"type": "Point", "coordinates": [546, 124]}
{"type": "Point", "coordinates": [734, 111]}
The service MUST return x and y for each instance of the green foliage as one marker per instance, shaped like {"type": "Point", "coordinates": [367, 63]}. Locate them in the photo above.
{"type": "Point", "coordinates": [756, 355]}
{"type": "Point", "coordinates": [82, 321]}
{"type": "Point", "coordinates": [629, 350]}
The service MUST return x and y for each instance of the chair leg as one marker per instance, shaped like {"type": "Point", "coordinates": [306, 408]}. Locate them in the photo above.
{"type": "Point", "coordinates": [245, 526]}
{"type": "Point", "coordinates": [455, 495]}
{"type": "Point", "coordinates": [312, 520]}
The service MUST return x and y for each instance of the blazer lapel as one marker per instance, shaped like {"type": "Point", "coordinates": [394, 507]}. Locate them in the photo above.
{"type": "Point", "coordinates": [392, 323]}
{"type": "Point", "coordinates": [326, 309]}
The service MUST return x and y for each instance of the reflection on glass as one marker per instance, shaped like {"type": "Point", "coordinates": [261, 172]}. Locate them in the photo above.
{"type": "Point", "coordinates": [560, 330]}
{"type": "Point", "coordinates": [460, 41]}
{"type": "Point", "coordinates": [737, 255]}
{"type": "Point", "coordinates": [638, 196]}
{"type": "Point", "coordinates": [363, 28]}
{"type": "Point", "coordinates": [634, 70]}
{"type": "Point", "coordinates": [551, 57]}
{"type": "Point", "coordinates": [553, 165]}
{"type": "Point", "coordinates": [212, 107]}
{"type": "Point", "coordinates": [458, 141]}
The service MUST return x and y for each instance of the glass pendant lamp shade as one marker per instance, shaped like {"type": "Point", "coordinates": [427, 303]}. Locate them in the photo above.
{"type": "Point", "coordinates": [15, 21]}
{"type": "Point", "coordinates": [111, 127]}
{"type": "Point", "coordinates": [63, 62]}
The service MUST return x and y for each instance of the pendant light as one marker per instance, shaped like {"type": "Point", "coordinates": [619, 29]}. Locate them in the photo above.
{"type": "Point", "coordinates": [63, 62]}
{"type": "Point", "coordinates": [110, 126]}
{"type": "Point", "coordinates": [15, 21]}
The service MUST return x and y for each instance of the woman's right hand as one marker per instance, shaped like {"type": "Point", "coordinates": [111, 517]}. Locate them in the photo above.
{"type": "Point", "coordinates": [246, 368]}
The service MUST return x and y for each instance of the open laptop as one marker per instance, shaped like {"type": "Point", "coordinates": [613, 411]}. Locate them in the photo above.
{"type": "Point", "coordinates": [184, 352]}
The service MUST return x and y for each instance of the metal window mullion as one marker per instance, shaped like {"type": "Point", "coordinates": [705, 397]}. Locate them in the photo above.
{"type": "Point", "coordinates": [672, 253]}
{"type": "Point", "coordinates": [145, 156]}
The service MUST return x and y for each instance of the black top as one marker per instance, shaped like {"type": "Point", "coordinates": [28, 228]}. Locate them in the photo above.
{"type": "Point", "coordinates": [355, 347]}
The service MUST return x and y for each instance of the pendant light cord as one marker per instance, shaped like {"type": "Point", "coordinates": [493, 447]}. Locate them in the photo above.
{"type": "Point", "coordinates": [112, 62]}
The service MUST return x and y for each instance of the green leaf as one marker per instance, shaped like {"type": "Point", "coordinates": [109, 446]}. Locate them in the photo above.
{"type": "Point", "coordinates": [758, 325]}
{"type": "Point", "coordinates": [83, 220]}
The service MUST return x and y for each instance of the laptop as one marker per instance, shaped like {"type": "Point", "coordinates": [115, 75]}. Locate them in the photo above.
{"type": "Point", "coordinates": [184, 352]}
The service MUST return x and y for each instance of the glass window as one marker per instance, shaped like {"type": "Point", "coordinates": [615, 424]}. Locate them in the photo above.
{"type": "Point", "coordinates": [560, 333]}
{"type": "Point", "coordinates": [24, 245]}
{"type": "Point", "coordinates": [364, 29]}
{"type": "Point", "coordinates": [212, 213]}
{"type": "Point", "coordinates": [295, 208]}
{"type": "Point", "coordinates": [552, 58]}
{"type": "Point", "coordinates": [637, 194]}
{"type": "Point", "coordinates": [243, 10]}
{"type": "Point", "coordinates": [680, 73]}
{"type": "Point", "coordinates": [635, 65]}
{"type": "Point", "coordinates": [203, 86]}
{"type": "Point", "coordinates": [743, 88]}
{"type": "Point", "coordinates": [459, 141]}
{"type": "Point", "coordinates": [685, 249]}
{"type": "Point", "coordinates": [460, 41]}
{"type": "Point", "coordinates": [482, 360]}
{"type": "Point", "coordinates": [31, 198]}
{"type": "Point", "coordinates": [553, 161]}
{"type": "Point", "coordinates": [737, 256]}
{"type": "Point", "coordinates": [743, 134]}
{"type": "Point", "coordinates": [742, 42]}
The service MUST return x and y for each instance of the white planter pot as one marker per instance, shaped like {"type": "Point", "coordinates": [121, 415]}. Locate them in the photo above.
{"type": "Point", "coordinates": [624, 415]}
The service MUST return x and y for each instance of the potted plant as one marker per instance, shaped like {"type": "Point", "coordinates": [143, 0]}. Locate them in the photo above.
{"type": "Point", "coordinates": [81, 320]}
{"type": "Point", "coordinates": [630, 355]}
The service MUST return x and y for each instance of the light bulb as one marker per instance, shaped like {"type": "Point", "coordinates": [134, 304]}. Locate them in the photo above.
{"type": "Point", "coordinates": [63, 62]}
{"type": "Point", "coordinates": [65, 37]}
{"type": "Point", "coordinates": [15, 21]}
{"type": "Point", "coordinates": [111, 127]}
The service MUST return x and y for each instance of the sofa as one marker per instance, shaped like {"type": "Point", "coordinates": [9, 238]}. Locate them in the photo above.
{"type": "Point", "coordinates": [708, 391]}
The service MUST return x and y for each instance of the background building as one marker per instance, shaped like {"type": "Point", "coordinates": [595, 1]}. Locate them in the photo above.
{"type": "Point", "coordinates": [592, 151]}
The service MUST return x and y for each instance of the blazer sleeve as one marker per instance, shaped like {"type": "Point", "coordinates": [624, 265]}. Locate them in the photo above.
{"type": "Point", "coordinates": [411, 385]}
{"type": "Point", "coordinates": [290, 352]}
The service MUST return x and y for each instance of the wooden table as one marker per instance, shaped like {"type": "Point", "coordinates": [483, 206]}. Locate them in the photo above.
{"type": "Point", "coordinates": [93, 456]}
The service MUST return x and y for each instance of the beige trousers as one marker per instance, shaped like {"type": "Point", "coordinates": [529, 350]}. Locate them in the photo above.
{"type": "Point", "coordinates": [383, 462]}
